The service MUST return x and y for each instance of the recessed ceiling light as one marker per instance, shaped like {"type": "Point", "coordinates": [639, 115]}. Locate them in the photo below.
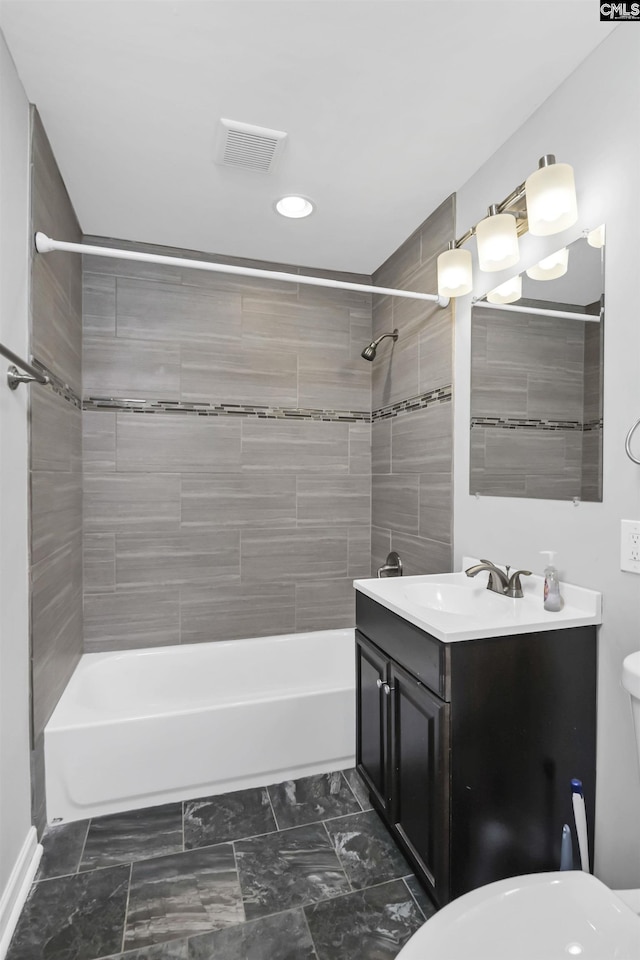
{"type": "Point", "coordinates": [295, 207]}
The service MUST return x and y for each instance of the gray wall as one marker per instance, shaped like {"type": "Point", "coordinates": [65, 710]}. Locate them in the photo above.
{"type": "Point", "coordinates": [238, 504]}
{"type": "Point", "coordinates": [56, 451]}
{"type": "Point", "coordinates": [412, 408]}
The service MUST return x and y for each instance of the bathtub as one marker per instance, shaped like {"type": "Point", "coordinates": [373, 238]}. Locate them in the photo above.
{"type": "Point", "coordinates": [143, 727]}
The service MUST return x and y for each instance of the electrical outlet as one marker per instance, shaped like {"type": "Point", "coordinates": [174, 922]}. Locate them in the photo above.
{"type": "Point", "coordinates": [630, 545]}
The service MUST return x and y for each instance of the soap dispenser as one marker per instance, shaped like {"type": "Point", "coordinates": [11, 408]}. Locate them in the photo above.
{"type": "Point", "coordinates": [552, 598]}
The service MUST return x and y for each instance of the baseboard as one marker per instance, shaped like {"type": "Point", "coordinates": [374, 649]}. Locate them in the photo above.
{"type": "Point", "coordinates": [17, 888]}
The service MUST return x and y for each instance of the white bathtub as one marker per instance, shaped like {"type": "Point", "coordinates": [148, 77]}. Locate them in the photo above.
{"type": "Point", "coordinates": [145, 727]}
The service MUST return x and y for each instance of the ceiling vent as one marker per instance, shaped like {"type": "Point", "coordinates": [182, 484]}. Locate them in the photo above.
{"type": "Point", "coordinates": [247, 147]}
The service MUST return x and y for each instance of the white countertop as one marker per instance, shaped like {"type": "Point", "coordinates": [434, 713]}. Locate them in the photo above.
{"type": "Point", "coordinates": [452, 606]}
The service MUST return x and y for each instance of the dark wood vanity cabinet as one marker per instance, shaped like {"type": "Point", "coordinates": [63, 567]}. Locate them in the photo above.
{"type": "Point", "coordinates": [468, 748]}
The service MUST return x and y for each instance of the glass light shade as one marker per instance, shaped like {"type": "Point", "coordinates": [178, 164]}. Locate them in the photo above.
{"type": "Point", "coordinates": [497, 242]}
{"type": "Point", "coordinates": [455, 276]}
{"type": "Point", "coordinates": [294, 207]}
{"type": "Point", "coordinates": [551, 267]}
{"type": "Point", "coordinates": [507, 292]}
{"type": "Point", "coordinates": [551, 199]}
{"type": "Point", "coordinates": [595, 238]}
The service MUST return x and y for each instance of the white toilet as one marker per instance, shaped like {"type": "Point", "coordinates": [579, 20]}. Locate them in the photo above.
{"type": "Point", "coordinates": [540, 916]}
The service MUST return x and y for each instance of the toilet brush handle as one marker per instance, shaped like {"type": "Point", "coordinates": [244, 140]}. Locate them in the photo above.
{"type": "Point", "coordinates": [580, 815]}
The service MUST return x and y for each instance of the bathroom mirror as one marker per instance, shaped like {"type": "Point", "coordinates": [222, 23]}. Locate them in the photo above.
{"type": "Point", "coordinates": [536, 380]}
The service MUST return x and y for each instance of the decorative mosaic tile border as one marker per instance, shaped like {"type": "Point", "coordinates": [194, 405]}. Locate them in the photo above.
{"type": "Point", "coordinates": [260, 412]}
{"type": "Point", "coordinates": [514, 423]}
{"type": "Point", "coordinates": [59, 386]}
{"type": "Point", "coordinates": [204, 409]}
{"type": "Point", "coordinates": [421, 402]}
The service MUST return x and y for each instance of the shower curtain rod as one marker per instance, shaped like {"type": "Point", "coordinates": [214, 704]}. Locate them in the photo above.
{"type": "Point", "coordinates": [539, 311]}
{"type": "Point", "coordinates": [45, 244]}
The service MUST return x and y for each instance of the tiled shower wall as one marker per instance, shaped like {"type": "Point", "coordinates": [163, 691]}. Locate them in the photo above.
{"type": "Point", "coordinates": [412, 408]}
{"type": "Point", "coordinates": [56, 452]}
{"type": "Point", "coordinates": [235, 500]}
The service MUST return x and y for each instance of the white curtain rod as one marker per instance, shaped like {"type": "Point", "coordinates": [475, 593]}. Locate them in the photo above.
{"type": "Point", "coordinates": [539, 311]}
{"type": "Point", "coordinates": [45, 244]}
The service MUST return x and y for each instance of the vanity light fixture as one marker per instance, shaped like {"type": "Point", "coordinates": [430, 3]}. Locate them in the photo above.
{"type": "Point", "coordinates": [544, 204]}
{"type": "Point", "coordinates": [455, 275]}
{"type": "Point", "coordinates": [551, 267]}
{"type": "Point", "coordinates": [294, 207]}
{"type": "Point", "coordinates": [507, 292]}
{"type": "Point", "coordinates": [497, 239]}
{"type": "Point", "coordinates": [551, 197]}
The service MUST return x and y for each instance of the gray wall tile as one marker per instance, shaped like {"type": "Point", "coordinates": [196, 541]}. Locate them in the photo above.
{"type": "Point", "coordinates": [98, 305]}
{"type": "Point", "coordinates": [324, 605]}
{"type": "Point", "coordinates": [233, 611]}
{"type": "Point", "coordinates": [148, 310]}
{"type": "Point", "coordinates": [295, 446]}
{"type": "Point", "coordinates": [360, 448]}
{"type": "Point", "coordinates": [130, 368]}
{"type": "Point", "coordinates": [56, 515]}
{"type": "Point", "coordinates": [359, 555]}
{"type": "Point", "coordinates": [412, 452]}
{"type": "Point", "coordinates": [99, 562]}
{"type": "Point", "coordinates": [149, 442]}
{"type": "Point", "coordinates": [380, 547]}
{"type": "Point", "coordinates": [130, 503]}
{"type": "Point", "coordinates": [436, 507]}
{"type": "Point", "coordinates": [55, 452]}
{"type": "Point", "coordinates": [129, 619]}
{"type": "Point", "coordinates": [222, 500]}
{"type": "Point", "coordinates": [240, 373]}
{"type": "Point", "coordinates": [98, 441]}
{"type": "Point", "coordinates": [421, 441]}
{"type": "Point", "coordinates": [420, 555]}
{"type": "Point", "coordinates": [293, 555]}
{"type": "Point", "coordinates": [395, 502]}
{"type": "Point", "coordinates": [330, 500]}
{"type": "Point", "coordinates": [193, 557]}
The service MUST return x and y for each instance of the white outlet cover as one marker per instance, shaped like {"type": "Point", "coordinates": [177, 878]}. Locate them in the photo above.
{"type": "Point", "coordinates": [630, 545]}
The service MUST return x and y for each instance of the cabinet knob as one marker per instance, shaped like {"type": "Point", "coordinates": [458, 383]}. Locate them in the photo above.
{"type": "Point", "coordinates": [381, 685]}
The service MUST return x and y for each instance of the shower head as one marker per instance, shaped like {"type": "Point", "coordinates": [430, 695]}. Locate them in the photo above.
{"type": "Point", "coordinates": [369, 352]}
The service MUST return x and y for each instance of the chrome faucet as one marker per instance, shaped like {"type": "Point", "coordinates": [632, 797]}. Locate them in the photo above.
{"type": "Point", "coordinates": [499, 582]}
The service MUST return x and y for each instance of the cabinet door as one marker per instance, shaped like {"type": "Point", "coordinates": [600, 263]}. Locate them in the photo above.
{"type": "Point", "coordinates": [420, 746]}
{"type": "Point", "coordinates": [372, 718]}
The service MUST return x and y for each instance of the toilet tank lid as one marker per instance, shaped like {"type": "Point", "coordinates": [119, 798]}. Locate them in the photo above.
{"type": "Point", "coordinates": [631, 674]}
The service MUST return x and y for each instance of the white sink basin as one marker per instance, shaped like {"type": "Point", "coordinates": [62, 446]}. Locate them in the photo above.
{"type": "Point", "coordinates": [452, 606]}
{"type": "Point", "coordinates": [544, 916]}
{"type": "Point", "coordinates": [457, 599]}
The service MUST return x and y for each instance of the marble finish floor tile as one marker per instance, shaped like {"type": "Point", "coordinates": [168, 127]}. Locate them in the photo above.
{"type": "Point", "coordinates": [62, 845]}
{"type": "Point", "coordinates": [288, 869]}
{"type": "Point", "coordinates": [311, 799]}
{"type": "Point", "coordinates": [173, 950]}
{"type": "Point", "coordinates": [372, 924]}
{"type": "Point", "coordinates": [231, 816]}
{"type": "Point", "coordinates": [366, 850]}
{"type": "Point", "coordinates": [134, 835]}
{"type": "Point", "coordinates": [182, 895]}
{"type": "Point", "coordinates": [425, 903]}
{"type": "Point", "coordinates": [360, 791]}
{"type": "Point", "coordinates": [283, 936]}
{"type": "Point", "coordinates": [76, 917]}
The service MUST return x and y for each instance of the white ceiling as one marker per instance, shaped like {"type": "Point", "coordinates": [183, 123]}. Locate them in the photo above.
{"type": "Point", "coordinates": [389, 107]}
